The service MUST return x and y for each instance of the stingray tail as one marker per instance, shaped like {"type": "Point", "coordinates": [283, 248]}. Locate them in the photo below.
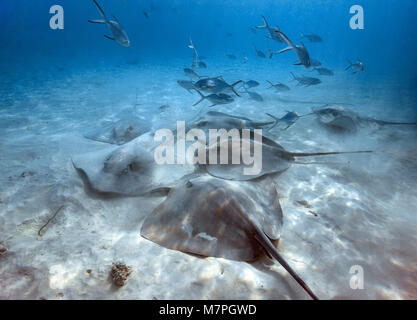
{"type": "Point", "coordinates": [307, 114]}
{"type": "Point", "coordinates": [381, 122]}
{"type": "Point", "coordinates": [296, 154]}
{"type": "Point", "coordinates": [270, 248]}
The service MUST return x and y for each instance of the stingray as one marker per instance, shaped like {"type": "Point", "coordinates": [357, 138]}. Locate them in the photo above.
{"type": "Point", "coordinates": [275, 158]}
{"type": "Point", "coordinates": [119, 132]}
{"type": "Point", "coordinates": [345, 120]}
{"type": "Point", "coordinates": [216, 218]}
{"type": "Point", "coordinates": [311, 102]}
{"type": "Point", "coordinates": [127, 171]}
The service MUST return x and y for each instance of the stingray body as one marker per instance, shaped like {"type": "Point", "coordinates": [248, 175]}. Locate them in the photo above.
{"type": "Point", "coordinates": [216, 218]}
{"type": "Point", "coordinates": [119, 132]}
{"type": "Point", "coordinates": [340, 119]}
{"type": "Point", "coordinates": [274, 158]}
{"type": "Point", "coordinates": [127, 171]}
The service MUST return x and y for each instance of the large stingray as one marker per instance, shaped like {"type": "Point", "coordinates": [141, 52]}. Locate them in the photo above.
{"type": "Point", "coordinates": [128, 170]}
{"type": "Point", "coordinates": [275, 158]}
{"type": "Point", "coordinates": [217, 218]}
{"type": "Point", "coordinates": [345, 120]}
{"type": "Point", "coordinates": [119, 132]}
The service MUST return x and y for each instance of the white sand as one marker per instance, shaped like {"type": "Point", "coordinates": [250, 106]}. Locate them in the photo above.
{"type": "Point", "coordinates": [366, 204]}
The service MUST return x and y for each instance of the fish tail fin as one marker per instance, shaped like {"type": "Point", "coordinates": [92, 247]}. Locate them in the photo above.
{"type": "Point", "coordinates": [276, 121]}
{"type": "Point", "coordinates": [110, 38]}
{"type": "Point", "coordinates": [191, 45]}
{"type": "Point", "coordinates": [97, 21]}
{"type": "Point", "coordinates": [286, 49]}
{"type": "Point", "coordinates": [265, 26]}
{"type": "Point", "coordinates": [264, 241]}
{"type": "Point", "coordinates": [350, 64]}
{"type": "Point", "coordinates": [270, 83]}
{"type": "Point", "coordinates": [100, 10]}
{"type": "Point", "coordinates": [296, 154]}
{"type": "Point", "coordinates": [233, 85]}
{"type": "Point", "coordinates": [202, 97]}
{"type": "Point", "coordinates": [293, 75]}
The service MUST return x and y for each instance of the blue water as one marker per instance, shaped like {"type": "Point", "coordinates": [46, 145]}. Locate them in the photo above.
{"type": "Point", "coordinates": [58, 85]}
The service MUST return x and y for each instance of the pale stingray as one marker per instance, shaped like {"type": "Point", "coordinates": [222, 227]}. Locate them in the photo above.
{"type": "Point", "coordinates": [128, 170]}
{"type": "Point", "coordinates": [218, 218]}
{"type": "Point", "coordinates": [119, 132]}
{"type": "Point", "coordinates": [274, 158]}
{"type": "Point", "coordinates": [341, 119]}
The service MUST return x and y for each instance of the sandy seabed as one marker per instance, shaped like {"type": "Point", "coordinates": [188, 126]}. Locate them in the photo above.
{"type": "Point", "coordinates": [339, 211]}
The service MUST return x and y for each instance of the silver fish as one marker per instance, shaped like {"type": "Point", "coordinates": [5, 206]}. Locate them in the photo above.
{"type": "Point", "coordinates": [191, 73]}
{"type": "Point", "coordinates": [274, 33]}
{"type": "Point", "coordinates": [215, 85]}
{"type": "Point", "coordinates": [312, 37]}
{"type": "Point", "coordinates": [251, 83]}
{"type": "Point", "coordinates": [324, 71]}
{"type": "Point", "coordinates": [119, 35]}
{"type": "Point", "coordinates": [306, 81]}
{"type": "Point", "coordinates": [215, 98]}
{"type": "Point", "coordinates": [195, 54]}
{"type": "Point", "coordinates": [357, 66]}
{"type": "Point", "coordinates": [186, 84]}
{"type": "Point", "coordinates": [259, 53]}
{"type": "Point", "coordinates": [279, 87]}
{"type": "Point", "coordinates": [300, 50]}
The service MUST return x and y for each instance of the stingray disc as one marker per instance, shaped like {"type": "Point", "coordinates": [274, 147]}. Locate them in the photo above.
{"type": "Point", "coordinates": [252, 160]}
{"type": "Point", "coordinates": [218, 218]}
{"type": "Point", "coordinates": [128, 170]}
{"type": "Point", "coordinates": [119, 132]}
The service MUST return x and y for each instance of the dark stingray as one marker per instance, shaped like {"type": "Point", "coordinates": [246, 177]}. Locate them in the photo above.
{"type": "Point", "coordinates": [215, 218]}
{"type": "Point", "coordinates": [127, 171]}
{"type": "Point", "coordinates": [119, 132]}
{"type": "Point", "coordinates": [340, 119]}
{"type": "Point", "coordinates": [311, 102]}
{"type": "Point", "coordinates": [275, 158]}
